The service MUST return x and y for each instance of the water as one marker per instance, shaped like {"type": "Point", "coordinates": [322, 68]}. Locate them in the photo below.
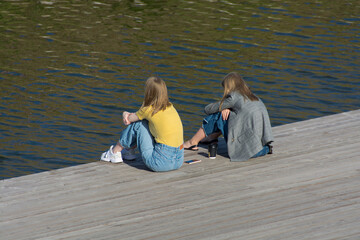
{"type": "Point", "coordinates": [69, 68]}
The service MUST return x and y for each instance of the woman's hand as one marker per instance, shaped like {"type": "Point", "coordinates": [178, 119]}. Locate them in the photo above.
{"type": "Point", "coordinates": [225, 114]}
{"type": "Point", "coordinates": [126, 118]}
{"type": "Point", "coordinates": [129, 118]}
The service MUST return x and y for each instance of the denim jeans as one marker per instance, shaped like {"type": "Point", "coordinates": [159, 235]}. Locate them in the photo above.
{"type": "Point", "coordinates": [262, 152]}
{"type": "Point", "coordinates": [214, 123]}
{"type": "Point", "coordinates": [156, 156]}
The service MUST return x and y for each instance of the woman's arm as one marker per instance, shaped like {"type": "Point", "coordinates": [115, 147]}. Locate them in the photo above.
{"type": "Point", "coordinates": [129, 118]}
{"type": "Point", "coordinates": [212, 108]}
{"type": "Point", "coordinates": [228, 103]}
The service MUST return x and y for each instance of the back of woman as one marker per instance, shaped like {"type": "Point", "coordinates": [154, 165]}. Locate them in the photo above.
{"type": "Point", "coordinates": [249, 128]}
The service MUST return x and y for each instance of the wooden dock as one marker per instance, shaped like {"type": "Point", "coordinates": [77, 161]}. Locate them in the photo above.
{"type": "Point", "coordinates": [308, 189]}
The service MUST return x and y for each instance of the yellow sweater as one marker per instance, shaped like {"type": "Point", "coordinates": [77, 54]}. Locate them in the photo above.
{"type": "Point", "coordinates": [165, 126]}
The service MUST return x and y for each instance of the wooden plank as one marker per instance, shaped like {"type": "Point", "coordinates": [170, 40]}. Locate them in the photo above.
{"type": "Point", "coordinates": [308, 189]}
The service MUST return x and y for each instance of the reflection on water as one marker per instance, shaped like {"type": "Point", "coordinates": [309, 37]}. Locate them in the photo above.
{"type": "Point", "coordinates": [69, 68]}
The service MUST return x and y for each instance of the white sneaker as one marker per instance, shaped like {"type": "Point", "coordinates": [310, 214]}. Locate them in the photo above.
{"type": "Point", "coordinates": [109, 156]}
{"type": "Point", "coordinates": [128, 154]}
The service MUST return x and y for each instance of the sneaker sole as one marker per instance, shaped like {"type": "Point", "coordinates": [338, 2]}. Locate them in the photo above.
{"type": "Point", "coordinates": [116, 161]}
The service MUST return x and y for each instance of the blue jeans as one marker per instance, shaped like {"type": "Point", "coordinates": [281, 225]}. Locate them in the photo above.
{"type": "Point", "coordinates": [156, 156]}
{"type": "Point", "coordinates": [214, 123]}
{"type": "Point", "coordinates": [262, 152]}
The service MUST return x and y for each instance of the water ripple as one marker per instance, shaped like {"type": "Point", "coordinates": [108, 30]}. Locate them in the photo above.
{"type": "Point", "coordinates": [65, 82]}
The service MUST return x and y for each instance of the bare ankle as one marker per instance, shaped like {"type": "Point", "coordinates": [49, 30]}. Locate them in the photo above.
{"type": "Point", "coordinates": [117, 148]}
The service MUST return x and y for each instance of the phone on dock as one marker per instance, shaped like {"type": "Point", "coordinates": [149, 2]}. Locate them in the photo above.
{"type": "Point", "coordinates": [192, 161]}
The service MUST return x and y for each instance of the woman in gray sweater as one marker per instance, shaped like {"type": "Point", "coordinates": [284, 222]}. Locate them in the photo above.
{"type": "Point", "coordinates": [241, 117]}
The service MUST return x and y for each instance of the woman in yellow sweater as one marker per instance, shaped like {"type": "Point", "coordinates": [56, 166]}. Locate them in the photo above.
{"type": "Point", "coordinates": [156, 130]}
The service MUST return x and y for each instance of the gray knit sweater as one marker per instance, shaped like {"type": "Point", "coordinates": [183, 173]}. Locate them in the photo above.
{"type": "Point", "coordinates": [249, 127]}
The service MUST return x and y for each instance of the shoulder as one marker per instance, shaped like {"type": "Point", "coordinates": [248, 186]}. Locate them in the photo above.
{"type": "Point", "coordinates": [170, 108]}
{"type": "Point", "coordinates": [236, 97]}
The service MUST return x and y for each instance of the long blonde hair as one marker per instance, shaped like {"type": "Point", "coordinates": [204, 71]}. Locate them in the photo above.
{"type": "Point", "coordinates": [156, 95]}
{"type": "Point", "coordinates": [234, 82]}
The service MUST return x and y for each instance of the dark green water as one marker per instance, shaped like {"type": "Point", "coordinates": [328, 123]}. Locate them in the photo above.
{"type": "Point", "coordinates": [69, 68]}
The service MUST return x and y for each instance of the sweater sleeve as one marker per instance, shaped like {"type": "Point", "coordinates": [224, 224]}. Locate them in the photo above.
{"type": "Point", "coordinates": [212, 108]}
{"type": "Point", "coordinates": [228, 103]}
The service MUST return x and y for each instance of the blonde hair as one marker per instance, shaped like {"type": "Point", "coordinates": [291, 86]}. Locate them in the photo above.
{"type": "Point", "coordinates": [234, 82]}
{"type": "Point", "coordinates": [156, 95]}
